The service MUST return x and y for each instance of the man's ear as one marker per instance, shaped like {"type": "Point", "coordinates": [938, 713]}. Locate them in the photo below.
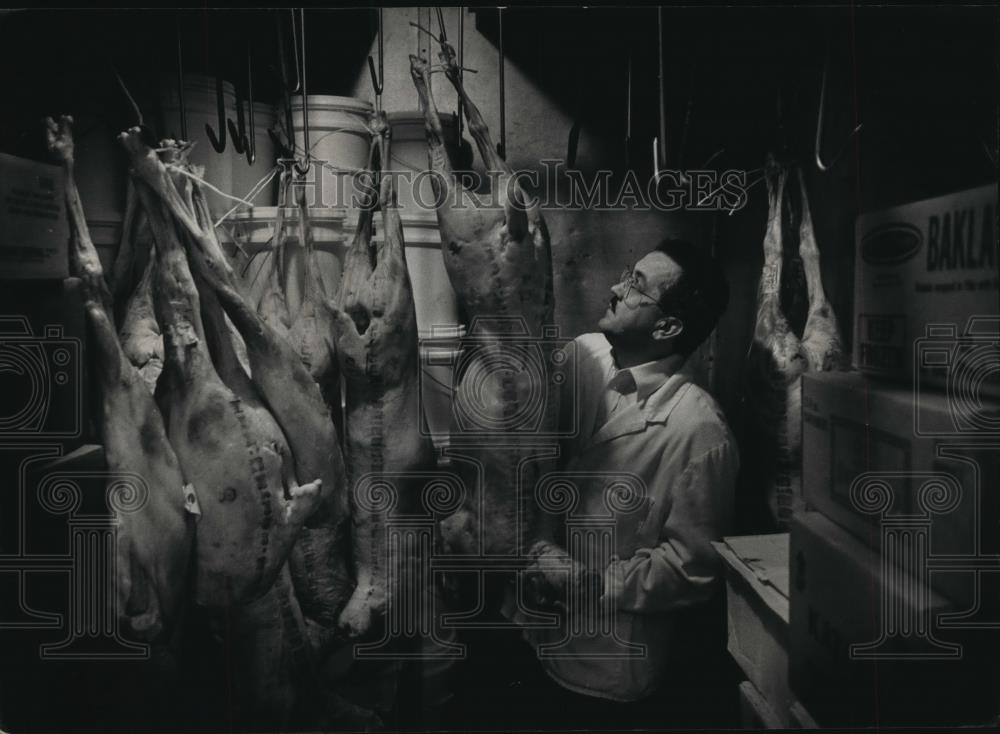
{"type": "Point", "coordinates": [668, 328]}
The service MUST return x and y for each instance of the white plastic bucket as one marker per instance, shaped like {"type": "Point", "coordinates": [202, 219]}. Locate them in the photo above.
{"type": "Point", "coordinates": [438, 357]}
{"type": "Point", "coordinates": [199, 110]}
{"type": "Point", "coordinates": [245, 176]}
{"type": "Point", "coordinates": [339, 138]}
{"type": "Point", "coordinates": [253, 231]}
{"type": "Point", "coordinates": [408, 155]}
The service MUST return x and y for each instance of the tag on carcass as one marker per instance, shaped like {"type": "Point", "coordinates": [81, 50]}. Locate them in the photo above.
{"type": "Point", "coordinates": [191, 500]}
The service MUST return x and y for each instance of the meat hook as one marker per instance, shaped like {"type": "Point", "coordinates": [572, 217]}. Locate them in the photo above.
{"type": "Point", "coordinates": [819, 122]}
{"type": "Point", "coordinates": [461, 64]}
{"type": "Point", "coordinates": [659, 143]}
{"type": "Point", "coordinates": [502, 143]}
{"type": "Point", "coordinates": [218, 142]}
{"type": "Point", "coordinates": [378, 80]}
{"type": "Point", "coordinates": [244, 140]}
{"type": "Point", "coordinates": [180, 82]}
{"type": "Point", "coordinates": [303, 168]}
{"type": "Point", "coordinates": [573, 144]}
{"type": "Point", "coordinates": [442, 40]}
{"type": "Point", "coordinates": [284, 147]}
{"type": "Point", "coordinates": [295, 51]}
{"type": "Point", "coordinates": [440, 17]}
{"type": "Point", "coordinates": [128, 95]}
{"type": "Point", "coordinates": [628, 109]}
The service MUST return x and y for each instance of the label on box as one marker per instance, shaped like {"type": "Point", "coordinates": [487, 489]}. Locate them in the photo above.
{"type": "Point", "coordinates": [34, 232]}
{"type": "Point", "coordinates": [922, 267]}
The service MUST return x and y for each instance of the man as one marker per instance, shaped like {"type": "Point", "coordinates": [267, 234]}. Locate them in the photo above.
{"type": "Point", "coordinates": [641, 419]}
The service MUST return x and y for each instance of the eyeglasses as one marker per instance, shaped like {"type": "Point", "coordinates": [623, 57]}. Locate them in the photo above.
{"type": "Point", "coordinates": [628, 279]}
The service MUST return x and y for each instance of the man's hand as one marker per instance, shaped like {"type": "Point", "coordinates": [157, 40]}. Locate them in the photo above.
{"type": "Point", "coordinates": [552, 576]}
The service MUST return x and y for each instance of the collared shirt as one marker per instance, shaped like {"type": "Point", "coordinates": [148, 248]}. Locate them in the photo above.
{"type": "Point", "coordinates": [657, 473]}
{"type": "Point", "coordinates": [633, 385]}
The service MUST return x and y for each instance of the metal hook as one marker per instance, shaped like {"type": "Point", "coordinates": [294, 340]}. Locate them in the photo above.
{"type": "Point", "coordinates": [295, 51]}
{"type": "Point", "coordinates": [180, 81]}
{"type": "Point", "coordinates": [819, 122]}
{"type": "Point", "coordinates": [378, 80]}
{"type": "Point", "coordinates": [128, 95]}
{"type": "Point", "coordinates": [659, 143]}
{"type": "Point", "coordinates": [307, 162]}
{"type": "Point", "coordinates": [628, 109]}
{"type": "Point", "coordinates": [218, 142]}
{"type": "Point", "coordinates": [440, 15]}
{"type": "Point", "coordinates": [502, 144]}
{"type": "Point", "coordinates": [244, 140]}
{"type": "Point", "coordinates": [573, 144]}
{"type": "Point", "coordinates": [284, 146]}
{"type": "Point", "coordinates": [238, 132]}
{"type": "Point", "coordinates": [461, 64]}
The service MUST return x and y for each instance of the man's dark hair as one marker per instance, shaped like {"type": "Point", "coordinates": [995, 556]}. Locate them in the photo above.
{"type": "Point", "coordinates": [699, 296]}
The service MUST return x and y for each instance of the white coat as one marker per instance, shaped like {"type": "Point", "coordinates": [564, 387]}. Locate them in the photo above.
{"type": "Point", "coordinates": [670, 440]}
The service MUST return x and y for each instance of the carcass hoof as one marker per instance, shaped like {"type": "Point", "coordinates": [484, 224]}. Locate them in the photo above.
{"type": "Point", "coordinates": [356, 619]}
{"type": "Point", "coordinates": [146, 626]}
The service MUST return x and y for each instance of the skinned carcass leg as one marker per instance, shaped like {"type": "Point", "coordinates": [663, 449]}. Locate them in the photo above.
{"type": "Point", "coordinates": [776, 363]}
{"type": "Point", "coordinates": [140, 333]}
{"type": "Point", "coordinates": [234, 453]}
{"type": "Point", "coordinates": [312, 330]}
{"type": "Point", "coordinates": [273, 306]}
{"type": "Point", "coordinates": [155, 542]}
{"type": "Point", "coordinates": [824, 349]}
{"type": "Point", "coordinates": [779, 358]}
{"type": "Point", "coordinates": [376, 326]}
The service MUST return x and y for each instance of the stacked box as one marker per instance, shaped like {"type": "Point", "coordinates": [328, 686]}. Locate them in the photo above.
{"type": "Point", "coordinates": [876, 455]}
{"type": "Point", "coordinates": [755, 712]}
{"type": "Point", "coordinates": [867, 647]}
{"type": "Point", "coordinates": [757, 614]}
{"type": "Point", "coordinates": [926, 294]}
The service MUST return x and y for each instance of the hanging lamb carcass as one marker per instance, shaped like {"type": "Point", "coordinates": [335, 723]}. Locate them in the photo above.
{"type": "Point", "coordinates": [778, 357]}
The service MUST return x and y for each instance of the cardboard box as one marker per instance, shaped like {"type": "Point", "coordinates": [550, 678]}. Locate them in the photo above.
{"type": "Point", "coordinates": [800, 718]}
{"type": "Point", "coordinates": [755, 710]}
{"type": "Point", "coordinates": [872, 438]}
{"type": "Point", "coordinates": [924, 272]}
{"type": "Point", "coordinates": [865, 646]}
{"type": "Point", "coordinates": [757, 614]}
{"type": "Point", "coordinates": [34, 230]}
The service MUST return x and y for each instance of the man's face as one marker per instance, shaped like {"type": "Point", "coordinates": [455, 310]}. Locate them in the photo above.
{"type": "Point", "coordinates": [634, 319]}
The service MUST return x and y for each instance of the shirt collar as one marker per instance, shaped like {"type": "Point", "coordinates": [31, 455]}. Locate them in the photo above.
{"type": "Point", "coordinates": [648, 376]}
